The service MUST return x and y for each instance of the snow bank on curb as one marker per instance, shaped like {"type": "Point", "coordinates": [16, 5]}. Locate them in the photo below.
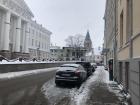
{"type": "Point", "coordinates": [82, 94]}
{"type": "Point", "coordinates": [32, 62]}
{"type": "Point", "coordinates": [118, 90]}
{"type": "Point", "coordinates": [11, 75]}
{"type": "Point", "coordinates": [23, 62]}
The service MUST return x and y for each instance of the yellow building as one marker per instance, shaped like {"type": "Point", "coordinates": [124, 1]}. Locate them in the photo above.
{"type": "Point", "coordinates": [126, 41]}
{"type": "Point", "coordinates": [128, 51]}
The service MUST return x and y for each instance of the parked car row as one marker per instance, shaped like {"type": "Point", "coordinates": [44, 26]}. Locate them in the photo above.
{"type": "Point", "coordinates": [74, 73]}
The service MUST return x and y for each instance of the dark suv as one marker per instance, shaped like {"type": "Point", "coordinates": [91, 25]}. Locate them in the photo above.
{"type": "Point", "coordinates": [87, 66]}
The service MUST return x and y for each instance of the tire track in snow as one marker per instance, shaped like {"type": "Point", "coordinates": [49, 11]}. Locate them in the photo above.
{"type": "Point", "coordinates": [81, 96]}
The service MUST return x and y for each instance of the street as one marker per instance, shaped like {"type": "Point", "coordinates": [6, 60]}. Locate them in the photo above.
{"type": "Point", "coordinates": [94, 91]}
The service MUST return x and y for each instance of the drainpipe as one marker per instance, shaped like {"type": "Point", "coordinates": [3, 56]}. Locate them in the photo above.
{"type": "Point", "coordinates": [131, 31]}
{"type": "Point", "coordinates": [115, 44]}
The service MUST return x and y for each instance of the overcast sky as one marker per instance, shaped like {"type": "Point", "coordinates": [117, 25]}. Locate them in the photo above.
{"type": "Point", "coordinates": [70, 17]}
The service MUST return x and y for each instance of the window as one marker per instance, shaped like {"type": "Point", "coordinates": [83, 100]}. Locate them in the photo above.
{"type": "Point", "coordinates": [42, 45]}
{"type": "Point", "coordinates": [67, 55]}
{"type": "Point", "coordinates": [39, 45]}
{"type": "Point", "coordinates": [121, 29]}
{"type": "Point", "coordinates": [82, 54]}
{"type": "Point", "coordinates": [73, 53]}
{"type": "Point", "coordinates": [36, 43]}
{"type": "Point", "coordinates": [32, 42]}
{"type": "Point", "coordinates": [36, 34]}
{"type": "Point", "coordinates": [33, 32]}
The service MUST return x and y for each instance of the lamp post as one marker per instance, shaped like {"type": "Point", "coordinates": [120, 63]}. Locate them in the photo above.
{"type": "Point", "coordinates": [115, 44]}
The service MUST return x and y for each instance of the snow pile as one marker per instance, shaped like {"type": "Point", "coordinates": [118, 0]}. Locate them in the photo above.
{"type": "Point", "coordinates": [119, 92]}
{"type": "Point", "coordinates": [31, 62]}
{"type": "Point", "coordinates": [53, 93]}
{"type": "Point", "coordinates": [11, 75]}
{"type": "Point", "coordinates": [19, 62]}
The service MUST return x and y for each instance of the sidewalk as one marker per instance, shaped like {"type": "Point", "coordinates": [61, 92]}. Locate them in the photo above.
{"type": "Point", "coordinates": [105, 92]}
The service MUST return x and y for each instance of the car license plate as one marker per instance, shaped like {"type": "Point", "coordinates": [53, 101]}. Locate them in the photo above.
{"type": "Point", "coordinates": [67, 75]}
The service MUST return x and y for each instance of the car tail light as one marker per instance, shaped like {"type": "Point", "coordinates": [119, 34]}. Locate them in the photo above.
{"type": "Point", "coordinates": [77, 73]}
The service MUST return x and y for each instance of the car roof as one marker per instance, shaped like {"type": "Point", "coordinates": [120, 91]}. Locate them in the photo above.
{"type": "Point", "coordinates": [71, 65]}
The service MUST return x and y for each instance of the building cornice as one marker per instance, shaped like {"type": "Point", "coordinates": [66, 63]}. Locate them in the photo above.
{"type": "Point", "coordinates": [17, 8]}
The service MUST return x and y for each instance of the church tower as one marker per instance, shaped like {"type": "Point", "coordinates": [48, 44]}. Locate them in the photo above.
{"type": "Point", "coordinates": [88, 42]}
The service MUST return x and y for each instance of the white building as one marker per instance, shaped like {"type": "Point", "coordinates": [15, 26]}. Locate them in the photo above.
{"type": "Point", "coordinates": [90, 56]}
{"type": "Point", "coordinates": [39, 41]}
{"type": "Point", "coordinates": [56, 53]}
{"type": "Point", "coordinates": [74, 53]}
{"type": "Point", "coordinates": [98, 58]}
{"type": "Point", "coordinates": [15, 25]}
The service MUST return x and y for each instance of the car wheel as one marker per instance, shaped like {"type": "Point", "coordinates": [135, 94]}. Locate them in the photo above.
{"type": "Point", "coordinates": [57, 83]}
{"type": "Point", "coordinates": [78, 84]}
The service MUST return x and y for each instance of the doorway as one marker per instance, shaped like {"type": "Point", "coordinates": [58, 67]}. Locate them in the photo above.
{"type": "Point", "coordinates": [120, 72]}
{"type": "Point", "coordinates": [127, 75]}
{"type": "Point", "coordinates": [110, 69]}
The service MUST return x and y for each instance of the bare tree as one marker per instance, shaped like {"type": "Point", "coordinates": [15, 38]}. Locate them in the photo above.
{"type": "Point", "coordinates": [75, 41]}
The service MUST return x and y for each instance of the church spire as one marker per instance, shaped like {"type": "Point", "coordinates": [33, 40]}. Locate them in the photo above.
{"type": "Point", "coordinates": [88, 42]}
{"type": "Point", "coordinates": [87, 36]}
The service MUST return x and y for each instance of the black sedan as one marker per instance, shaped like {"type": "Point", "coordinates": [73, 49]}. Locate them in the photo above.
{"type": "Point", "coordinates": [70, 73]}
{"type": "Point", "coordinates": [87, 66]}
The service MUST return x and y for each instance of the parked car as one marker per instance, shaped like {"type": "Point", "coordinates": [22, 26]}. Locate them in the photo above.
{"type": "Point", "coordinates": [87, 66]}
{"type": "Point", "coordinates": [73, 73]}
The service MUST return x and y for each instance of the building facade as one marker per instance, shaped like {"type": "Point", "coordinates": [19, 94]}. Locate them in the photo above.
{"type": "Point", "coordinates": [127, 37]}
{"type": "Point", "coordinates": [15, 24]}
{"type": "Point", "coordinates": [110, 30]}
{"type": "Point", "coordinates": [128, 47]}
{"type": "Point", "coordinates": [90, 57]}
{"type": "Point", "coordinates": [56, 53]}
{"type": "Point", "coordinates": [72, 54]}
{"type": "Point", "coordinates": [39, 41]}
{"type": "Point", "coordinates": [98, 59]}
